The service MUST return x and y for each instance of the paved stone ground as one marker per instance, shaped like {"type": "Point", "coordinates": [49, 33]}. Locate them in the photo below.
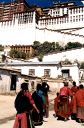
{"type": "Point", "coordinates": [7, 115]}
{"type": "Point", "coordinates": [50, 122]}
{"type": "Point", "coordinates": [7, 109]}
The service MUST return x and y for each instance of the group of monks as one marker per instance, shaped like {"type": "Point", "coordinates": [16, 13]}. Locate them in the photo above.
{"type": "Point", "coordinates": [69, 102]}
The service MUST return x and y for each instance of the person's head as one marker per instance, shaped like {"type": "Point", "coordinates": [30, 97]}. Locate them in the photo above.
{"type": "Point", "coordinates": [81, 86]}
{"type": "Point", "coordinates": [65, 84]}
{"type": "Point", "coordinates": [57, 93]}
{"type": "Point", "coordinates": [39, 87]}
{"type": "Point", "coordinates": [24, 86]}
{"type": "Point", "coordinates": [74, 83]}
{"type": "Point", "coordinates": [45, 87]}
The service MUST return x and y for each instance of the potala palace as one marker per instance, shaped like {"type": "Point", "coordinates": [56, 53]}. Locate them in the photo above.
{"type": "Point", "coordinates": [22, 24]}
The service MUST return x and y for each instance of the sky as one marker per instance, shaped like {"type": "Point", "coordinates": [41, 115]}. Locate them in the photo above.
{"type": "Point", "coordinates": [44, 3]}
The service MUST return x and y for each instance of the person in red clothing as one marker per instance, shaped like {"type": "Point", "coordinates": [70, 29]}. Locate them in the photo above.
{"type": "Point", "coordinates": [24, 105]}
{"type": "Point", "coordinates": [56, 104]}
{"type": "Point", "coordinates": [78, 107]}
{"type": "Point", "coordinates": [74, 89]}
{"type": "Point", "coordinates": [65, 94]}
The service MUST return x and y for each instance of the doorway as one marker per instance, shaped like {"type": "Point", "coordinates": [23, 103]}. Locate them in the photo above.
{"type": "Point", "coordinates": [13, 82]}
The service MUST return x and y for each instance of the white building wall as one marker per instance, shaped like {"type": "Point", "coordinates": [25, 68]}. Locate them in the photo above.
{"type": "Point", "coordinates": [54, 70]}
{"type": "Point", "coordinates": [22, 34]}
{"type": "Point", "coordinates": [74, 72]}
{"type": "Point", "coordinates": [43, 35]}
{"type": "Point", "coordinates": [12, 33]}
{"type": "Point", "coordinates": [5, 83]}
{"type": "Point", "coordinates": [71, 55]}
{"type": "Point", "coordinates": [39, 70]}
{"type": "Point", "coordinates": [26, 34]}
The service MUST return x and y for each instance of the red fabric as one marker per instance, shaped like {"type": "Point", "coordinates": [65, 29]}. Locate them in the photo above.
{"type": "Point", "coordinates": [65, 107]}
{"type": "Point", "coordinates": [80, 113]}
{"type": "Point", "coordinates": [47, 100]}
{"type": "Point", "coordinates": [22, 116]}
{"type": "Point", "coordinates": [23, 119]}
{"type": "Point", "coordinates": [78, 104]}
{"type": "Point", "coordinates": [56, 103]}
{"type": "Point", "coordinates": [79, 97]}
{"type": "Point", "coordinates": [65, 91]}
{"type": "Point", "coordinates": [28, 94]}
{"type": "Point", "coordinates": [74, 89]}
{"type": "Point", "coordinates": [46, 105]}
{"type": "Point", "coordinates": [73, 105]}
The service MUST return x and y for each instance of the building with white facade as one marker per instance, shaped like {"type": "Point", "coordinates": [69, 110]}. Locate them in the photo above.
{"type": "Point", "coordinates": [47, 70]}
{"type": "Point", "coordinates": [11, 80]}
{"type": "Point", "coordinates": [73, 55]}
{"type": "Point", "coordinates": [21, 24]}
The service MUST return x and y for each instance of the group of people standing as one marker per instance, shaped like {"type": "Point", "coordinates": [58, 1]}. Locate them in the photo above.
{"type": "Point", "coordinates": [69, 102]}
{"type": "Point", "coordinates": [31, 108]}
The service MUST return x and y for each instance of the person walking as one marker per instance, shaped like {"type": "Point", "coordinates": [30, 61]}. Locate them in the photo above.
{"type": "Point", "coordinates": [78, 107]}
{"type": "Point", "coordinates": [24, 104]}
{"type": "Point", "coordinates": [56, 104]}
{"type": "Point", "coordinates": [45, 89]}
{"type": "Point", "coordinates": [39, 100]}
{"type": "Point", "coordinates": [65, 94]}
{"type": "Point", "coordinates": [74, 89]}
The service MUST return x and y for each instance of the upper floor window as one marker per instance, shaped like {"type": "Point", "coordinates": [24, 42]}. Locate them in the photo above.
{"type": "Point", "coordinates": [32, 72]}
{"type": "Point", "coordinates": [47, 72]}
{"type": "Point", "coordinates": [65, 73]}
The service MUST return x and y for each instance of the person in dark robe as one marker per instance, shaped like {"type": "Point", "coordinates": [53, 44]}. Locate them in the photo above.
{"type": "Point", "coordinates": [39, 100]}
{"type": "Point", "coordinates": [45, 89]}
{"type": "Point", "coordinates": [23, 117]}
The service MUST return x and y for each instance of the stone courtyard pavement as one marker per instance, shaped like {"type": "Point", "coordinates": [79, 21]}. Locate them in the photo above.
{"type": "Point", "coordinates": [50, 122]}
{"type": "Point", "coordinates": [7, 115]}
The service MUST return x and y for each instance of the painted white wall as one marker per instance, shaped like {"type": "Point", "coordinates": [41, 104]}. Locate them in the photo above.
{"type": "Point", "coordinates": [54, 70]}
{"type": "Point", "coordinates": [4, 83]}
{"type": "Point", "coordinates": [25, 34]}
{"type": "Point", "coordinates": [39, 70]}
{"type": "Point", "coordinates": [74, 72]}
{"type": "Point", "coordinates": [71, 55]}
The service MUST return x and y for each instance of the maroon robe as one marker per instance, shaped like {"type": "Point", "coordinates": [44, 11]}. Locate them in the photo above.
{"type": "Point", "coordinates": [65, 105]}
{"type": "Point", "coordinates": [78, 104]}
{"type": "Point", "coordinates": [56, 105]}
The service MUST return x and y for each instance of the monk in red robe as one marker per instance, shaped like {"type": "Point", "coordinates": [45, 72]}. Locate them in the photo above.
{"type": "Point", "coordinates": [74, 89]}
{"type": "Point", "coordinates": [78, 107]}
{"type": "Point", "coordinates": [65, 94]}
{"type": "Point", "coordinates": [56, 104]}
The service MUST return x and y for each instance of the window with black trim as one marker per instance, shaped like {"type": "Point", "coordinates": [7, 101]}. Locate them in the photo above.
{"type": "Point", "coordinates": [47, 72]}
{"type": "Point", "coordinates": [32, 72]}
{"type": "Point", "coordinates": [65, 73]}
